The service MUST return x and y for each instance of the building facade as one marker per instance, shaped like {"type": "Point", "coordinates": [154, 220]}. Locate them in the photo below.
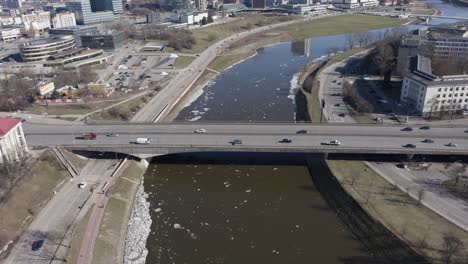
{"type": "Point", "coordinates": [12, 141]}
{"type": "Point", "coordinates": [76, 31]}
{"type": "Point", "coordinates": [11, 4]}
{"type": "Point", "coordinates": [112, 41]}
{"type": "Point", "coordinates": [95, 11]}
{"type": "Point", "coordinates": [61, 20]}
{"type": "Point", "coordinates": [42, 49]}
{"type": "Point", "coordinates": [259, 4]}
{"type": "Point", "coordinates": [39, 21]}
{"type": "Point", "coordinates": [10, 34]}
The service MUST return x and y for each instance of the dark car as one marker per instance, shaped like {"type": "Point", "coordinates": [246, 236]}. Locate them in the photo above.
{"type": "Point", "coordinates": [285, 140]}
{"type": "Point", "coordinates": [402, 165]}
{"type": "Point", "coordinates": [425, 127]}
{"type": "Point", "coordinates": [336, 94]}
{"type": "Point", "coordinates": [427, 140]}
{"type": "Point", "coordinates": [301, 132]}
{"type": "Point", "coordinates": [236, 142]}
{"type": "Point", "coordinates": [341, 114]}
{"type": "Point", "coordinates": [407, 129]}
{"type": "Point", "coordinates": [36, 245]}
{"type": "Point", "coordinates": [337, 105]}
{"type": "Point", "coordinates": [409, 146]}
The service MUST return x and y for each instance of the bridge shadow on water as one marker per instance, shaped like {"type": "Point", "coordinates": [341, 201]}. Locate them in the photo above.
{"type": "Point", "coordinates": [379, 243]}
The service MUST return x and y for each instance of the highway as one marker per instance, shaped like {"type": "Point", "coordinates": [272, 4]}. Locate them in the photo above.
{"type": "Point", "coordinates": [161, 104]}
{"type": "Point", "coordinates": [172, 138]}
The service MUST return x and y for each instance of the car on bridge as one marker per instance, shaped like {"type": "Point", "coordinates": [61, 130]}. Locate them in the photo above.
{"type": "Point", "coordinates": [409, 146]}
{"type": "Point", "coordinates": [450, 144]}
{"type": "Point", "coordinates": [236, 142]}
{"type": "Point", "coordinates": [285, 140]}
{"type": "Point", "coordinates": [332, 143]}
{"type": "Point", "coordinates": [425, 127]}
{"type": "Point", "coordinates": [301, 132]}
{"type": "Point", "coordinates": [199, 131]}
{"type": "Point", "coordinates": [112, 135]}
{"type": "Point", "coordinates": [427, 140]}
{"type": "Point", "coordinates": [407, 129]}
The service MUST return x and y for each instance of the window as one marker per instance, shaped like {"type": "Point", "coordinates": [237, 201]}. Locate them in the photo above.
{"type": "Point", "coordinates": [456, 95]}
{"type": "Point", "coordinates": [438, 96]}
{"type": "Point", "coordinates": [461, 94]}
{"type": "Point", "coordinates": [443, 101]}
{"type": "Point", "coordinates": [439, 90]}
{"type": "Point", "coordinates": [450, 95]}
{"type": "Point", "coordinates": [445, 89]}
{"type": "Point", "coordinates": [456, 89]}
{"type": "Point", "coordinates": [451, 89]}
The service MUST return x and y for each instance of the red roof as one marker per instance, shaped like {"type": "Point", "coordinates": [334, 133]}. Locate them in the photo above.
{"type": "Point", "coordinates": [7, 124]}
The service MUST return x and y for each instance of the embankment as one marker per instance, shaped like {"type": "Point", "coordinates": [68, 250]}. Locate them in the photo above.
{"type": "Point", "coordinates": [382, 244]}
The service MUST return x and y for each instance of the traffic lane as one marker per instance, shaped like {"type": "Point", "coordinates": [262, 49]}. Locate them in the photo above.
{"type": "Point", "coordinates": [447, 132]}
{"type": "Point", "coordinates": [248, 140]}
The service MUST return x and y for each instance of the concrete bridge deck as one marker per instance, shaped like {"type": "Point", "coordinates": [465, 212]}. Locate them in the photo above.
{"type": "Point", "coordinates": [176, 138]}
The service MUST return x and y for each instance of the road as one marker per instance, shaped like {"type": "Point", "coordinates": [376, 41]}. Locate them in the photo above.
{"type": "Point", "coordinates": [162, 104]}
{"type": "Point", "coordinates": [52, 223]}
{"type": "Point", "coordinates": [263, 137]}
{"type": "Point", "coordinates": [435, 197]}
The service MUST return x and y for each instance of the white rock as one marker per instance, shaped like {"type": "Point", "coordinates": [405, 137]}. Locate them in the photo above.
{"type": "Point", "coordinates": [177, 226]}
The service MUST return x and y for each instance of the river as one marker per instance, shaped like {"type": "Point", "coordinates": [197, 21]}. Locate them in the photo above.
{"type": "Point", "coordinates": [245, 207]}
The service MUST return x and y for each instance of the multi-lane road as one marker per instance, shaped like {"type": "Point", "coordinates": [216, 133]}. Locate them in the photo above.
{"type": "Point", "coordinates": [170, 138]}
{"type": "Point", "coordinates": [162, 104]}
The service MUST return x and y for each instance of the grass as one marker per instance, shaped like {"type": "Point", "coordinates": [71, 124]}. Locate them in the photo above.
{"type": "Point", "coordinates": [339, 25]}
{"type": "Point", "coordinates": [77, 237]}
{"type": "Point", "coordinates": [77, 161]}
{"type": "Point", "coordinates": [423, 10]}
{"type": "Point", "coordinates": [121, 112]}
{"type": "Point", "coordinates": [31, 194]}
{"type": "Point", "coordinates": [420, 227]}
{"type": "Point", "coordinates": [111, 237]}
{"type": "Point", "coordinates": [206, 36]}
{"type": "Point", "coordinates": [223, 62]}
{"type": "Point", "coordinates": [342, 56]}
{"type": "Point", "coordinates": [183, 61]}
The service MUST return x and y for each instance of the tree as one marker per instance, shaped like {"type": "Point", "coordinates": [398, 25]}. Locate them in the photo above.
{"type": "Point", "coordinates": [450, 247]}
{"type": "Point", "coordinates": [203, 21]}
{"type": "Point", "coordinates": [421, 193]}
{"type": "Point", "coordinates": [349, 41]}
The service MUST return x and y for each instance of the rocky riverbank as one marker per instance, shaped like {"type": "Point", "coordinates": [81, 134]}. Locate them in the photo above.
{"type": "Point", "coordinates": [139, 227]}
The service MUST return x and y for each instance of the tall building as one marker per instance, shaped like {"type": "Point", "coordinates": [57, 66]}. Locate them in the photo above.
{"type": "Point", "coordinates": [76, 31]}
{"type": "Point", "coordinates": [12, 140]}
{"type": "Point", "coordinates": [36, 22]}
{"type": "Point", "coordinates": [200, 4]}
{"type": "Point", "coordinates": [61, 20]}
{"type": "Point", "coordinates": [95, 11]}
{"type": "Point", "coordinates": [12, 4]}
{"type": "Point", "coordinates": [258, 3]}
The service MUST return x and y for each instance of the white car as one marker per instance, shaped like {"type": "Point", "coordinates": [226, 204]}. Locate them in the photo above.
{"type": "Point", "coordinates": [200, 130]}
{"type": "Point", "coordinates": [332, 143]}
{"type": "Point", "coordinates": [82, 185]}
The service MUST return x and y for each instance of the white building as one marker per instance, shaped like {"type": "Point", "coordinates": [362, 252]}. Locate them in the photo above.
{"type": "Point", "coordinates": [37, 22]}
{"type": "Point", "coordinates": [12, 140]}
{"type": "Point", "coordinates": [426, 93]}
{"type": "Point", "coordinates": [189, 17]}
{"type": "Point", "coordinates": [61, 20]}
{"type": "Point", "coordinates": [9, 34]}
{"type": "Point", "coordinates": [351, 4]}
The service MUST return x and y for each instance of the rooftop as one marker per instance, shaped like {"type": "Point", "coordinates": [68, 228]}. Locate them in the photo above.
{"type": "Point", "coordinates": [7, 124]}
{"type": "Point", "coordinates": [46, 41]}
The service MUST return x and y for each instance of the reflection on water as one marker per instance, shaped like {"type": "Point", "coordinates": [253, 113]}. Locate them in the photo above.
{"type": "Point", "coordinates": [206, 212]}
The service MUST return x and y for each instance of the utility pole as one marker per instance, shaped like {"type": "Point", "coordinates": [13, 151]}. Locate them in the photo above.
{"type": "Point", "coordinates": [321, 110]}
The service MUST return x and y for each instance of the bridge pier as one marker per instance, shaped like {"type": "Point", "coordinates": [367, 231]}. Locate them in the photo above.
{"type": "Point", "coordinates": [145, 162]}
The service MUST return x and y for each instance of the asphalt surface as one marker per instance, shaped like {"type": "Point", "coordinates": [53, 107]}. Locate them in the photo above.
{"type": "Point", "coordinates": [436, 197]}
{"type": "Point", "coordinates": [167, 98]}
{"type": "Point", "coordinates": [52, 223]}
{"type": "Point", "coordinates": [354, 139]}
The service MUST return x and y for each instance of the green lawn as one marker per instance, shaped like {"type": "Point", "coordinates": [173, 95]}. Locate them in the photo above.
{"type": "Point", "coordinates": [121, 112]}
{"type": "Point", "coordinates": [223, 62]}
{"type": "Point", "coordinates": [339, 25]}
{"type": "Point", "coordinates": [183, 61]}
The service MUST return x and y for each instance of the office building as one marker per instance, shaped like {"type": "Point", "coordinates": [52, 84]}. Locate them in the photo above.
{"type": "Point", "coordinates": [259, 4]}
{"type": "Point", "coordinates": [61, 20]}
{"type": "Point", "coordinates": [76, 31]}
{"type": "Point", "coordinates": [427, 93]}
{"type": "Point", "coordinates": [42, 49]}
{"type": "Point", "coordinates": [200, 4]}
{"type": "Point", "coordinates": [10, 34]}
{"type": "Point", "coordinates": [107, 41]}
{"type": "Point", "coordinates": [12, 141]}
{"type": "Point", "coordinates": [36, 22]}
{"type": "Point", "coordinates": [95, 11]}
{"type": "Point", "coordinates": [11, 4]}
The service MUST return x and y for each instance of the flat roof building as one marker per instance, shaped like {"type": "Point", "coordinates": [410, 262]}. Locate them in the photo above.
{"type": "Point", "coordinates": [61, 20]}
{"type": "Point", "coordinates": [76, 31]}
{"type": "Point", "coordinates": [109, 41]}
{"type": "Point", "coordinates": [12, 141]}
{"type": "Point", "coordinates": [42, 49]}
{"type": "Point", "coordinates": [10, 34]}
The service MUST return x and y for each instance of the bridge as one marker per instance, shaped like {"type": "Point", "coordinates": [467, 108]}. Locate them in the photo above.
{"type": "Point", "coordinates": [178, 138]}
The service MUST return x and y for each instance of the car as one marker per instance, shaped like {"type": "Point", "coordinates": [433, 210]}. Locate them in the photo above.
{"type": "Point", "coordinates": [336, 105]}
{"type": "Point", "coordinates": [427, 140]}
{"type": "Point", "coordinates": [407, 129]}
{"type": "Point", "coordinates": [82, 185]}
{"type": "Point", "coordinates": [335, 94]}
{"type": "Point", "coordinates": [341, 114]}
{"type": "Point", "coordinates": [112, 135]}
{"type": "Point", "coordinates": [301, 132]}
{"type": "Point", "coordinates": [332, 143]}
{"type": "Point", "coordinates": [236, 142]}
{"type": "Point", "coordinates": [334, 81]}
{"type": "Point", "coordinates": [36, 245]}
{"type": "Point", "coordinates": [466, 131]}
{"type": "Point", "coordinates": [200, 130]}
{"type": "Point", "coordinates": [425, 128]}
{"type": "Point", "coordinates": [450, 144]}
{"type": "Point", "coordinates": [402, 165]}
{"type": "Point", "coordinates": [285, 140]}
{"type": "Point", "coordinates": [409, 146]}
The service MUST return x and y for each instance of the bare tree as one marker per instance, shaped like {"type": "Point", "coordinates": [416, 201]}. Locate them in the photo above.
{"type": "Point", "coordinates": [451, 247]}
{"type": "Point", "coordinates": [349, 41]}
{"type": "Point", "coordinates": [421, 193]}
